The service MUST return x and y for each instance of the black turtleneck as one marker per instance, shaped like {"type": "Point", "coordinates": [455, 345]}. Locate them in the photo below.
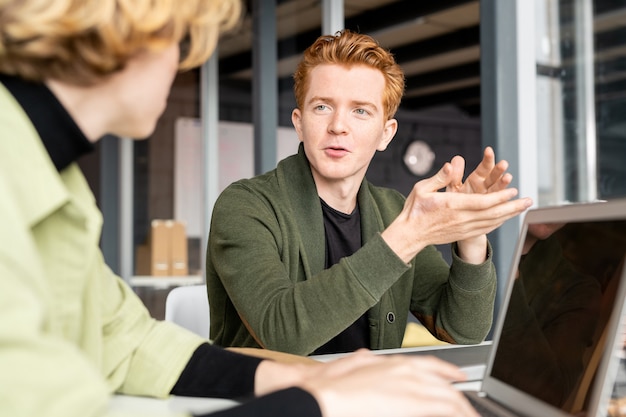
{"type": "Point", "coordinates": [60, 134]}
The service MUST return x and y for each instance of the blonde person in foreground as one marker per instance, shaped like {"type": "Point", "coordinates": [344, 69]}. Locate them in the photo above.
{"type": "Point", "coordinates": [71, 332]}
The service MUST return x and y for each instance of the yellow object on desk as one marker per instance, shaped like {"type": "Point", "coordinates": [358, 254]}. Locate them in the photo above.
{"type": "Point", "coordinates": [274, 355]}
{"type": "Point", "coordinates": [417, 335]}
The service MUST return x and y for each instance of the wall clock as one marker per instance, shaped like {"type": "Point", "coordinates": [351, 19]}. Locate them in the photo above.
{"type": "Point", "coordinates": [419, 157]}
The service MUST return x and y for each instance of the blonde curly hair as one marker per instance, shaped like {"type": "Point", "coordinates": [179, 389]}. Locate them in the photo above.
{"type": "Point", "coordinates": [83, 41]}
{"type": "Point", "coordinates": [348, 48]}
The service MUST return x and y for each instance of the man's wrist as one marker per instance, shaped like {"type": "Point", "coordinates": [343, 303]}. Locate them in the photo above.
{"type": "Point", "coordinates": [474, 250]}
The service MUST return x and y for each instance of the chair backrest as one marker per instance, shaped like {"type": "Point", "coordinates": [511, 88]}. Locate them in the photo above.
{"type": "Point", "coordinates": [188, 307]}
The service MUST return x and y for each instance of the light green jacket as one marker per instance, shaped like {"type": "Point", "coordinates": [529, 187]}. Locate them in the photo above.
{"type": "Point", "coordinates": [266, 277]}
{"type": "Point", "coordinates": [71, 332]}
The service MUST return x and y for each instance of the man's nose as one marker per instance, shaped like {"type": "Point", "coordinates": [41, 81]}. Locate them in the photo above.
{"type": "Point", "coordinates": [337, 123]}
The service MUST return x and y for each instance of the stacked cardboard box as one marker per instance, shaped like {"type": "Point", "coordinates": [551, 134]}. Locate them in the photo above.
{"type": "Point", "coordinates": [165, 250]}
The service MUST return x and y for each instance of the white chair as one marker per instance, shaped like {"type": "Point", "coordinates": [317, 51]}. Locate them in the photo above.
{"type": "Point", "coordinates": [188, 307]}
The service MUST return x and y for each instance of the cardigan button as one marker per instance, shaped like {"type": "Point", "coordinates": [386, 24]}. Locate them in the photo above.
{"type": "Point", "coordinates": [391, 317]}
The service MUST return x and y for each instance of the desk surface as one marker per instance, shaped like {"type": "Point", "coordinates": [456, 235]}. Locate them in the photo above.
{"type": "Point", "coordinates": [142, 406]}
{"type": "Point", "coordinates": [126, 405]}
{"type": "Point", "coordinates": [173, 406]}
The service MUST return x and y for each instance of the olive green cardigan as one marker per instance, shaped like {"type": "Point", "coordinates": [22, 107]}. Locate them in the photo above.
{"type": "Point", "coordinates": [267, 285]}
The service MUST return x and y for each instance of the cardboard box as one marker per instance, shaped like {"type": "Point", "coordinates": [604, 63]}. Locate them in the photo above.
{"type": "Point", "coordinates": [165, 250]}
{"type": "Point", "coordinates": [179, 263]}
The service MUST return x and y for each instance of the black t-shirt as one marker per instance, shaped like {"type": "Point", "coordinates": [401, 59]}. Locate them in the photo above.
{"type": "Point", "coordinates": [343, 238]}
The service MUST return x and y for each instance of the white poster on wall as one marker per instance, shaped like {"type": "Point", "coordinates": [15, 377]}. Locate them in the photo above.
{"type": "Point", "coordinates": [236, 161]}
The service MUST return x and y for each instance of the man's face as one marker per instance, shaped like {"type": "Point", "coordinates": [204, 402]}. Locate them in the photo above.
{"type": "Point", "coordinates": [342, 123]}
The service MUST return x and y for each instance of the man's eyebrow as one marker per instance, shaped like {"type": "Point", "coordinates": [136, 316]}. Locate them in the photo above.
{"type": "Point", "coordinates": [365, 104]}
{"type": "Point", "coordinates": [319, 98]}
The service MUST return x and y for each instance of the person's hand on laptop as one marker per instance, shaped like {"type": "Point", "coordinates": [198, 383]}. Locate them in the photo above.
{"type": "Point", "coordinates": [364, 384]}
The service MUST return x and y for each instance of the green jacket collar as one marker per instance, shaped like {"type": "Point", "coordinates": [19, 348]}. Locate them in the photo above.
{"type": "Point", "coordinates": [295, 173]}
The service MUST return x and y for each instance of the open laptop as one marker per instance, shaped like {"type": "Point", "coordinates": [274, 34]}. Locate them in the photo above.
{"type": "Point", "coordinates": [554, 351]}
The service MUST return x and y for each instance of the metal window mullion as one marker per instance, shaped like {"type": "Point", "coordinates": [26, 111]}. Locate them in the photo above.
{"type": "Point", "coordinates": [209, 117]}
{"type": "Point", "coordinates": [585, 102]}
{"type": "Point", "coordinates": [332, 16]}
{"type": "Point", "coordinates": [126, 204]}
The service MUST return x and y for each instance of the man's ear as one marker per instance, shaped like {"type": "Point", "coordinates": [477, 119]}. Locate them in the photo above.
{"type": "Point", "coordinates": [389, 131]}
{"type": "Point", "coordinates": [296, 120]}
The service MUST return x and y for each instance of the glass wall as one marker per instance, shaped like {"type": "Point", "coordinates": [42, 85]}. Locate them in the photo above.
{"type": "Point", "coordinates": [581, 103]}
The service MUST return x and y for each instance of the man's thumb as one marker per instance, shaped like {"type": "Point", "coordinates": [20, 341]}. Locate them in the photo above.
{"type": "Point", "coordinates": [440, 180]}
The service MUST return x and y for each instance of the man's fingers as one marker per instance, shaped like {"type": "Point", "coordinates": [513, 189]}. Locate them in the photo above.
{"type": "Point", "coordinates": [443, 369]}
{"type": "Point", "coordinates": [484, 222]}
{"type": "Point", "coordinates": [440, 180]}
{"type": "Point", "coordinates": [486, 164]}
{"type": "Point", "coordinates": [457, 171]}
{"type": "Point", "coordinates": [461, 201]}
{"type": "Point", "coordinates": [501, 183]}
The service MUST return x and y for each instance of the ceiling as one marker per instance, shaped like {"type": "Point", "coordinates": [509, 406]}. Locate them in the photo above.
{"type": "Point", "coordinates": [435, 42]}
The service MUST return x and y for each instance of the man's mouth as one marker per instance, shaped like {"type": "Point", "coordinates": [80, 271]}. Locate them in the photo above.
{"type": "Point", "coordinates": [336, 151]}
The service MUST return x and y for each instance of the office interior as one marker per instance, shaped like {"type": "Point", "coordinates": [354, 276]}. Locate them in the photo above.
{"type": "Point", "coordinates": [541, 81]}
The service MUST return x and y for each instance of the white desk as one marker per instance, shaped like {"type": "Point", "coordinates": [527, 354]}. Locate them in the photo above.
{"type": "Point", "coordinates": [173, 406]}
{"type": "Point", "coordinates": [125, 405]}
{"type": "Point", "coordinates": [129, 406]}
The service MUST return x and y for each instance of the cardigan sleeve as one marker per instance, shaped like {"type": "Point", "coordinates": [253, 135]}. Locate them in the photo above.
{"type": "Point", "coordinates": [455, 304]}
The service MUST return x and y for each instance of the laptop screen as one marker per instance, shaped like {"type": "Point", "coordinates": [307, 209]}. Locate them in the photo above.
{"type": "Point", "coordinates": [560, 301]}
